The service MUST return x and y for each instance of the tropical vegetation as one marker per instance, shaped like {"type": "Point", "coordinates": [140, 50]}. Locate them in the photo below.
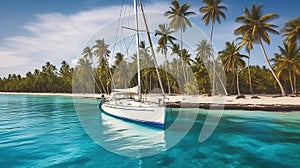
{"type": "Point", "coordinates": [233, 61]}
{"type": "Point", "coordinates": [94, 73]}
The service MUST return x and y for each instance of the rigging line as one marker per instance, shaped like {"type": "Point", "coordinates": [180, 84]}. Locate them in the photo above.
{"type": "Point", "coordinates": [127, 48]}
{"type": "Point", "coordinates": [122, 23]}
{"type": "Point", "coordinates": [118, 27]}
{"type": "Point", "coordinates": [116, 36]}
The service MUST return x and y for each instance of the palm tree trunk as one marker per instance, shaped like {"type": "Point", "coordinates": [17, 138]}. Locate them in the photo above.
{"type": "Point", "coordinates": [232, 82]}
{"type": "Point", "coordinates": [150, 82]}
{"type": "Point", "coordinates": [291, 82]}
{"type": "Point", "coordinates": [166, 71]}
{"type": "Point", "coordinates": [221, 82]}
{"type": "Point", "coordinates": [214, 66]}
{"type": "Point", "coordinates": [249, 73]}
{"type": "Point", "coordinates": [181, 39]}
{"type": "Point", "coordinates": [295, 83]}
{"type": "Point", "coordinates": [184, 72]}
{"type": "Point", "coordinates": [99, 77]}
{"type": "Point", "coordinates": [181, 50]}
{"type": "Point", "coordinates": [212, 31]}
{"type": "Point", "coordinates": [98, 87]}
{"type": "Point", "coordinates": [237, 82]}
{"type": "Point", "coordinates": [111, 76]}
{"type": "Point", "coordinates": [270, 67]}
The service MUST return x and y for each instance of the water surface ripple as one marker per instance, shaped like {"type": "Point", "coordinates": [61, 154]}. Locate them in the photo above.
{"type": "Point", "coordinates": [45, 131]}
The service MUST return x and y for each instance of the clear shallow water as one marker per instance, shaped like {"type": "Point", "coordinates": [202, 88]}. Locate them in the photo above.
{"type": "Point", "coordinates": [45, 131]}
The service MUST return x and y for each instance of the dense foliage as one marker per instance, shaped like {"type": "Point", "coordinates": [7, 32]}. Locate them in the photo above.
{"type": "Point", "coordinates": [48, 79]}
{"type": "Point", "coordinates": [94, 73]}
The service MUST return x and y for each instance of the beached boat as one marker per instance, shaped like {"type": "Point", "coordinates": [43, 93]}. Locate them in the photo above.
{"type": "Point", "coordinates": [128, 104]}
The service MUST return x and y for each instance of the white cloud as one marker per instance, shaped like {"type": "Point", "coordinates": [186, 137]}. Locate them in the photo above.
{"type": "Point", "coordinates": [12, 62]}
{"type": "Point", "coordinates": [56, 37]}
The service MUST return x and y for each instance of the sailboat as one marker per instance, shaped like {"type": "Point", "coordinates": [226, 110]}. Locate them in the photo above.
{"type": "Point", "coordinates": [128, 104]}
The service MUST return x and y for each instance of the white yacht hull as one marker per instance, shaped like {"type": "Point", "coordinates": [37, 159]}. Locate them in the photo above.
{"type": "Point", "coordinates": [139, 112]}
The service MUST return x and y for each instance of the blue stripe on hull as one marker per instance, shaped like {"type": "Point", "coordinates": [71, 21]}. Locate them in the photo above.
{"type": "Point", "coordinates": [158, 125]}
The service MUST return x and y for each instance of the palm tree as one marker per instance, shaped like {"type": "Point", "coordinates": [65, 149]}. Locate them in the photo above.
{"type": "Point", "coordinates": [36, 82]}
{"type": "Point", "coordinates": [145, 58]}
{"type": "Point", "coordinates": [201, 75]}
{"type": "Point", "coordinates": [165, 35]}
{"type": "Point", "coordinates": [120, 71]}
{"type": "Point", "coordinates": [102, 52]}
{"type": "Point", "coordinates": [82, 80]}
{"type": "Point", "coordinates": [204, 53]}
{"type": "Point", "coordinates": [288, 61]}
{"type": "Point", "coordinates": [49, 72]}
{"type": "Point", "coordinates": [66, 76]}
{"type": "Point", "coordinates": [203, 50]}
{"type": "Point", "coordinates": [185, 58]}
{"type": "Point", "coordinates": [213, 12]}
{"type": "Point", "coordinates": [175, 49]}
{"type": "Point", "coordinates": [232, 60]}
{"type": "Point", "coordinates": [29, 79]}
{"type": "Point", "coordinates": [248, 41]}
{"type": "Point", "coordinates": [257, 26]}
{"type": "Point", "coordinates": [291, 30]}
{"type": "Point", "coordinates": [178, 52]}
{"type": "Point", "coordinates": [118, 58]}
{"type": "Point", "coordinates": [178, 15]}
{"type": "Point", "coordinates": [87, 53]}
{"type": "Point", "coordinates": [165, 38]}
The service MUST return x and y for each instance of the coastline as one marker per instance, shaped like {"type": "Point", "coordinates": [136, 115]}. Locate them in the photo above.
{"type": "Point", "coordinates": [250, 107]}
{"type": "Point", "coordinates": [55, 94]}
{"type": "Point", "coordinates": [264, 103]}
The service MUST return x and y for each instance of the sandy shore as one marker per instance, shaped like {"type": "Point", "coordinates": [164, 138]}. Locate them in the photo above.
{"type": "Point", "coordinates": [262, 103]}
{"type": "Point", "coordinates": [263, 99]}
{"type": "Point", "coordinates": [265, 102]}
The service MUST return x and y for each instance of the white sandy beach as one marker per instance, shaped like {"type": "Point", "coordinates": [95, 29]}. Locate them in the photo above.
{"type": "Point", "coordinates": [264, 99]}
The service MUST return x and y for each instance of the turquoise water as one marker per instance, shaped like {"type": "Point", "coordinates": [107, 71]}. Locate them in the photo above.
{"type": "Point", "coordinates": [46, 131]}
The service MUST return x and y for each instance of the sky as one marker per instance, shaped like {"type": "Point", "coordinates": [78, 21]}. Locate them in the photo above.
{"type": "Point", "coordinates": [33, 32]}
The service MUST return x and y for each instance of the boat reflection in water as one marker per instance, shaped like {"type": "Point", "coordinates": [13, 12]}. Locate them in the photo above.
{"type": "Point", "coordinates": [131, 139]}
{"type": "Point", "coordinates": [117, 135]}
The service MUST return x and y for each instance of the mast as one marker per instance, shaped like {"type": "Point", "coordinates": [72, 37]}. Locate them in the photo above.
{"type": "Point", "coordinates": [137, 40]}
{"type": "Point", "coordinates": [152, 50]}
